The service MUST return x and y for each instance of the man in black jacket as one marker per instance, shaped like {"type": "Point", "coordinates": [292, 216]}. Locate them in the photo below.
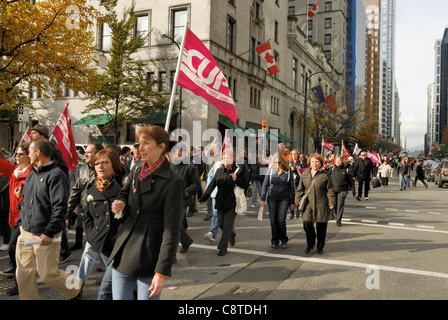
{"type": "Point", "coordinates": [362, 170]}
{"type": "Point", "coordinates": [187, 171]}
{"type": "Point", "coordinates": [42, 219]}
{"type": "Point", "coordinates": [420, 176]}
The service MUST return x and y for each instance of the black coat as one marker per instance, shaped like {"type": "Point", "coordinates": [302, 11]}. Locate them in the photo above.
{"type": "Point", "coordinates": [149, 232]}
{"type": "Point", "coordinates": [99, 223]}
{"type": "Point", "coordinates": [189, 173]}
{"type": "Point", "coordinates": [225, 197]}
{"type": "Point", "coordinates": [363, 169]}
{"type": "Point", "coordinates": [342, 179]}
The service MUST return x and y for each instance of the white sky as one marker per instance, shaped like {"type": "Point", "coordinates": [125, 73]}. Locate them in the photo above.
{"type": "Point", "coordinates": [419, 24]}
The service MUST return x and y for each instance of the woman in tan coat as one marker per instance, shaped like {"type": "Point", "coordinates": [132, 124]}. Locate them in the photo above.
{"type": "Point", "coordinates": [321, 201]}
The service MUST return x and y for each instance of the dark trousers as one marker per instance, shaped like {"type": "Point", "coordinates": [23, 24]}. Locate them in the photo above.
{"type": "Point", "coordinates": [366, 185]}
{"type": "Point", "coordinates": [185, 239]}
{"type": "Point", "coordinates": [311, 234]}
{"type": "Point", "coordinates": [421, 179]}
{"type": "Point", "coordinates": [340, 203]}
{"type": "Point", "coordinates": [5, 229]}
{"type": "Point", "coordinates": [226, 220]}
{"type": "Point", "coordinates": [277, 216]}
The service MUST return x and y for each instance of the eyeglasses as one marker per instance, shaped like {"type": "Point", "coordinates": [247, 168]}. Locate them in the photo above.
{"type": "Point", "coordinates": [102, 163]}
{"type": "Point", "coordinates": [21, 154]}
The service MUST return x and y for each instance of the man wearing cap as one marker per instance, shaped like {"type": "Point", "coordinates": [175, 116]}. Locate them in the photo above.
{"type": "Point", "coordinates": [40, 131]}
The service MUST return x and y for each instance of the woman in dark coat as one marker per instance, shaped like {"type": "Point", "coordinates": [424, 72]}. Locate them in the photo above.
{"type": "Point", "coordinates": [225, 179]}
{"type": "Point", "coordinates": [99, 223]}
{"type": "Point", "coordinates": [321, 201]}
{"type": "Point", "coordinates": [150, 207]}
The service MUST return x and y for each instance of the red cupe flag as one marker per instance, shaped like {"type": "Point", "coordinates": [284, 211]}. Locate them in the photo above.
{"type": "Point", "coordinates": [63, 135]}
{"type": "Point", "coordinates": [200, 74]}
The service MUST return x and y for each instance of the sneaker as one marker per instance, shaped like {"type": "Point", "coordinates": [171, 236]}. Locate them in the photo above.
{"type": "Point", "coordinates": [358, 198]}
{"type": "Point", "coordinates": [4, 247]}
{"type": "Point", "coordinates": [366, 198]}
{"type": "Point", "coordinates": [63, 259]}
{"type": "Point", "coordinates": [252, 206]}
{"type": "Point", "coordinates": [209, 236]}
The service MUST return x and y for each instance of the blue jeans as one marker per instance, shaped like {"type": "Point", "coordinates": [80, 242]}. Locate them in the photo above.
{"type": "Point", "coordinates": [214, 227]}
{"type": "Point", "coordinates": [403, 181]}
{"type": "Point", "coordinates": [87, 261]}
{"type": "Point", "coordinates": [277, 216]}
{"type": "Point", "coordinates": [123, 287]}
{"type": "Point", "coordinates": [105, 292]}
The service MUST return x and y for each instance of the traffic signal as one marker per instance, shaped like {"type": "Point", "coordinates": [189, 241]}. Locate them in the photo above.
{"type": "Point", "coordinates": [263, 125]}
{"type": "Point", "coordinates": [435, 145]}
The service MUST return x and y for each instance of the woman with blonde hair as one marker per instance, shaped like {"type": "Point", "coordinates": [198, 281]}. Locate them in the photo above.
{"type": "Point", "coordinates": [280, 183]}
{"type": "Point", "coordinates": [317, 183]}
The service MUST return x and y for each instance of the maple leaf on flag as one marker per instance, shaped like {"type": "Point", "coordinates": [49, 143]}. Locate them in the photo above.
{"type": "Point", "coordinates": [269, 58]}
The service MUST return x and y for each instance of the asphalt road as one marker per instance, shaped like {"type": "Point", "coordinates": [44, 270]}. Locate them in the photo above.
{"type": "Point", "coordinates": [393, 246]}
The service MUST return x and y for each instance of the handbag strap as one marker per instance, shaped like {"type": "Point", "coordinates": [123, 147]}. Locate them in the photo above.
{"type": "Point", "coordinates": [312, 183]}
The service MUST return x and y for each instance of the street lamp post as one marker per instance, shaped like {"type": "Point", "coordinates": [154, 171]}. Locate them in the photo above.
{"type": "Point", "coordinates": [304, 150]}
{"type": "Point", "coordinates": [180, 88]}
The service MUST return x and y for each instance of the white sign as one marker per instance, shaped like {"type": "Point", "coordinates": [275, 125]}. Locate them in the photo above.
{"type": "Point", "coordinates": [24, 114]}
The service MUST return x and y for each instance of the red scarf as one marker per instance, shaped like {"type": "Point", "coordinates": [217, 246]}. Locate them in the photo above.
{"type": "Point", "coordinates": [148, 171]}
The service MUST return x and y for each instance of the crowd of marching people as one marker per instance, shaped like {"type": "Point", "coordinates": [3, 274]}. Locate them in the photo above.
{"type": "Point", "coordinates": [133, 206]}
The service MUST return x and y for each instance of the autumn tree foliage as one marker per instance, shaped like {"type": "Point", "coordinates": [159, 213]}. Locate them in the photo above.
{"type": "Point", "coordinates": [46, 44]}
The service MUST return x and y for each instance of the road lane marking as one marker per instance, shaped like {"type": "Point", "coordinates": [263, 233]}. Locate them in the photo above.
{"type": "Point", "coordinates": [369, 221]}
{"type": "Point", "coordinates": [434, 212]}
{"type": "Point", "coordinates": [391, 209]}
{"type": "Point", "coordinates": [396, 224]}
{"type": "Point", "coordinates": [425, 227]}
{"type": "Point", "coordinates": [412, 211]}
{"type": "Point", "coordinates": [370, 207]}
{"type": "Point", "coordinates": [327, 261]}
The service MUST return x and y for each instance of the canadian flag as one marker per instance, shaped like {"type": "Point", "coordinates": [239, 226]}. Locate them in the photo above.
{"type": "Point", "coordinates": [63, 135]}
{"type": "Point", "coordinates": [266, 54]}
{"type": "Point", "coordinates": [314, 9]}
{"type": "Point", "coordinates": [200, 74]}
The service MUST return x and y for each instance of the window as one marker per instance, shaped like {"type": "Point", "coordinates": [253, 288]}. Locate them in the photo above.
{"type": "Point", "coordinates": [231, 29]}
{"type": "Point", "coordinates": [150, 78]}
{"type": "Point", "coordinates": [327, 39]}
{"type": "Point", "coordinates": [255, 97]}
{"type": "Point", "coordinates": [291, 11]}
{"type": "Point", "coordinates": [276, 31]}
{"type": "Point", "coordinates": [142, 26]}
{"type": "Point", "coordinates": [328, 6]}
{"type": "Point", "coordinates": [162, 81]}
{"type": "Point", "coordinates": [179, 22]}
{"type": "Point", "coordinates": [310, 25]}
{"type": "Point", "coordinates": [294, 73]}
{"type": "Point", "coordinates": [328, 54]}
{"type": "Point", "coordinates": [327, 23]}
{"type": "Point", "coordinates": [274, 105]}
{"type": "Point", "coordinates": [106, 37]}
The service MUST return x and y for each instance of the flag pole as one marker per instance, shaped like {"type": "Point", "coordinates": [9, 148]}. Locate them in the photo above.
{"type": "Point", "coordinates": [176, 77]}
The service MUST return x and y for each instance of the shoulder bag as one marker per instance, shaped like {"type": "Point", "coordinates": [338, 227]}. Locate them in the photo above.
{"type": "Point", "coordinates": [240, 197]}
{"type": "Point", "coordinates": [304, 201]}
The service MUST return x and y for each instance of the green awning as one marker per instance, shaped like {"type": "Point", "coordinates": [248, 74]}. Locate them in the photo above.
{"type": "Point", "coordinates": [237, 129]}
{"type": "Point", "coordinates": [284, 138]}
{"type": "Point", "coordinates": [154, 118]}
{"type": "Point", "coordinates": [97, 119]}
